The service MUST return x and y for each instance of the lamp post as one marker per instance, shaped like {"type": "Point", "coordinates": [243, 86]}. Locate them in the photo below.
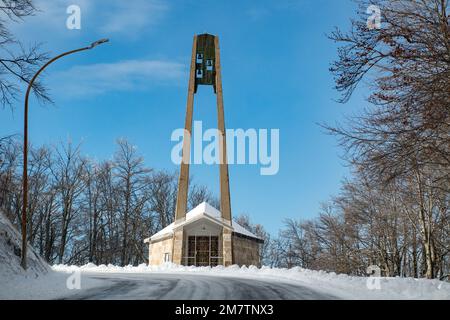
{"type": "Point", "coordinates": [25, 146]}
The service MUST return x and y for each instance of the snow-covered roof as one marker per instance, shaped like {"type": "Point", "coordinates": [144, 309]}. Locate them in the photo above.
{"type": "Point", "coordinates": [203, 210]}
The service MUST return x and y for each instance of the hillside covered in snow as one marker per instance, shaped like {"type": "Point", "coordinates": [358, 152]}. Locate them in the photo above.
{"type": "Point", "coordinates": [10, 253]}
{"type": "Point", "coordinates": [39, 281]}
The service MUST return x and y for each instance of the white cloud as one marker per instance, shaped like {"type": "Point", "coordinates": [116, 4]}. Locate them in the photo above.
{"type": "Point", "coordinates": [50, 19]}
{"type": "Point", "coordinates": [128, 75]}
{"type": "Point", "coordinates": [122, 17]}
{"type": "Point", "coordinates": [98, 18]}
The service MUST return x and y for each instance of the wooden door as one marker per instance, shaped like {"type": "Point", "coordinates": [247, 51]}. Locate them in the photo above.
{"type": "Point", "coordinates": [202, 251]}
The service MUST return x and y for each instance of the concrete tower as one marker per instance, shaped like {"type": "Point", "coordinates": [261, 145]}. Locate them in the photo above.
{"type": "Point", "coordinates": [205, 70]}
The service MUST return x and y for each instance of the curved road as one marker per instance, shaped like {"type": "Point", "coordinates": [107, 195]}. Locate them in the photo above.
{"type": "Point", "coordinates": [193, 287]}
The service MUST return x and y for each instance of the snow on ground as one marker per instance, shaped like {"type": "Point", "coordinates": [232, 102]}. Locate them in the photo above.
{"type": "Point", "coordinates": [42, 282]}
{"type": "Point", "coordinates": [10, 253]}
{"type": "Point", "coordinates": [39, 281]}
{"type": "Point", "coordinates": [342, 286]}
{"type": "Point", "coordinates": [52, 285]}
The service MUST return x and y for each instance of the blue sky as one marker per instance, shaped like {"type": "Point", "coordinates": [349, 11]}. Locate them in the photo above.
{"type": "Point", "coordinates": [275, 59]}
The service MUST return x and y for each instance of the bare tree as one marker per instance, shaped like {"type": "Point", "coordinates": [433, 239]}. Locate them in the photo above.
{"type": "Point", "coordinates": [404, 137]}
{"type": "Point", "coordinates": [68, 172]}
{"type": "Point", "coordinates": [132, 182]}
{"type": "Point", "coordinates": [83, 211]}
{"type": "Point", "coordinates": [163, 189]}
{"type": "Point", "coordinates": [199, 194]}
{"type": "Point", "coordinates": [18, 63]}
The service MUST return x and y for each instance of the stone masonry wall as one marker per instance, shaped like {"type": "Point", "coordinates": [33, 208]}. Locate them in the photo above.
{"type": "Point", "coordinates": [227, 250]}
{"type": "Point", "coordinates": [178, 252]}
{"type": "Point", "coordinates": [245, 251]}
{"type": "Point", "coordinates": [158, 249]}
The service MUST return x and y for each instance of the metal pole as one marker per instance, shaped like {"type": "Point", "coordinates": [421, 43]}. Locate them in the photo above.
{"type": "Point", "coordinates": [25, 148]}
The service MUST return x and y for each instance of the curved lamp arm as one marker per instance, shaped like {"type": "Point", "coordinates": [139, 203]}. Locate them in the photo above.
{"type": "Point", "coordinates": [25, 146]}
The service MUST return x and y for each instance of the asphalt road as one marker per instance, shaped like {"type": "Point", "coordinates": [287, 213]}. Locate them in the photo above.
{"type": "Point", "coordinates": [192, 287]}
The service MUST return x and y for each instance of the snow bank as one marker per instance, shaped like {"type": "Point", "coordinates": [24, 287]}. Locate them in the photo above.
{"type": "Point", "coordinates": [10, 254]}
{"type": "Point", "coordinates": [342, 286]}
{"type": "Point", "coordinates": [39, 281]}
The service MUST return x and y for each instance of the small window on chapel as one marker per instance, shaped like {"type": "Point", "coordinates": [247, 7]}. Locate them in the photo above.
{"type": "Point", "coordinates": [199, 74]}
{"type": "Point", "coordinates": [166, 257]}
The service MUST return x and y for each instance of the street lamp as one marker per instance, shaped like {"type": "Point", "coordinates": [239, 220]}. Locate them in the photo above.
{"type": "Point", "coordinates": [25, 146]}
